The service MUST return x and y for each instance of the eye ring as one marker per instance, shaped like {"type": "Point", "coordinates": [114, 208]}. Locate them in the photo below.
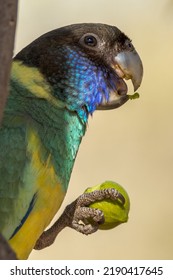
{"type": "Point", "coordinates": [90, 40]}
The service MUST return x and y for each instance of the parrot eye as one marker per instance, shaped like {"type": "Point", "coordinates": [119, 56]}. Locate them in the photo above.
{"type": "Point", "coordinates": [90, 40]}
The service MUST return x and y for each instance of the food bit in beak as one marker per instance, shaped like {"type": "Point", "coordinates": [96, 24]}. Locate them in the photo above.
{"type": "Point", "coordinates": [133, 96]}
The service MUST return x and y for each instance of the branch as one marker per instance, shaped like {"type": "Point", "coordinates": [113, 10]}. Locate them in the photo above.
{"type": "Point", "coordinates": [8, 16]}
{"type": "Point", "coordinates": [6, 253]}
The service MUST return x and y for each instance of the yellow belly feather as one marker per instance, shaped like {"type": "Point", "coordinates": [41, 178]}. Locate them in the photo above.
{"type": "Point", "coordinates": [49, 198]}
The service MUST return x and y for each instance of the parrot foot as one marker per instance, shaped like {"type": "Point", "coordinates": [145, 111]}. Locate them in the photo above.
{"type": "Point", "coordinates": [87, 220]}
{"type": "Point", "coordinates": [79, 216]}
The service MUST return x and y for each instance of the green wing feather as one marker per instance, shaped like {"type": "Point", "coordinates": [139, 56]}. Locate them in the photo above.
{"type": "Point", "coordinates": [12, 163]}
{"type": "Point", "coordinates": [39, 140]}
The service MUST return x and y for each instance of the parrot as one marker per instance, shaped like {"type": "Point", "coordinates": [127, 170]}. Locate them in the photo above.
{"type": "Point", "coordinates": [56, 83]}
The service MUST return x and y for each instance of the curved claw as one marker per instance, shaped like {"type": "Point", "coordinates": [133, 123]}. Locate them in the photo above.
{"type": "Point", "coordinates": [121, 197]}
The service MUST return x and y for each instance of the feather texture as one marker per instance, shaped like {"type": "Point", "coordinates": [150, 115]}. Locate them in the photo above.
{"type": "Point", "coordinates": [57, 81]}
{"type": "Point", "coordinates": [36, 160]}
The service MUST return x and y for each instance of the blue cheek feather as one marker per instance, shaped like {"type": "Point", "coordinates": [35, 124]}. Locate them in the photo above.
{"type": "Point", "coordinates": [84, 84]}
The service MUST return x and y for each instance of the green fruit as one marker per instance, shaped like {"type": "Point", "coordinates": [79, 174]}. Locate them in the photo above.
{"type": "Point", "coordinates": [134, 96]}
{"type": "Point", "coordinates": [115, 212]}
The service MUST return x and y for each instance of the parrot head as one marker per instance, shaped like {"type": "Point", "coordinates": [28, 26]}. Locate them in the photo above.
{"type": "Point", "coordinates": [86, 65]}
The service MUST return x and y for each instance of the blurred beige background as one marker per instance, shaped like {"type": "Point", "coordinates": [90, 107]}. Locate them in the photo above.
{"type": "Point", "coordinates": [132, 145]}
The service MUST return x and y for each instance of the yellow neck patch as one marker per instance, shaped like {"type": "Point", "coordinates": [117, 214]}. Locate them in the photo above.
{"type": "Point", "coordinates": [33, 80]}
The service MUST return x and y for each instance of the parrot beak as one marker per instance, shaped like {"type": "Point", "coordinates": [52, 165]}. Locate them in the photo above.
{"type": "Point", "coordinates": [127, 65]}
